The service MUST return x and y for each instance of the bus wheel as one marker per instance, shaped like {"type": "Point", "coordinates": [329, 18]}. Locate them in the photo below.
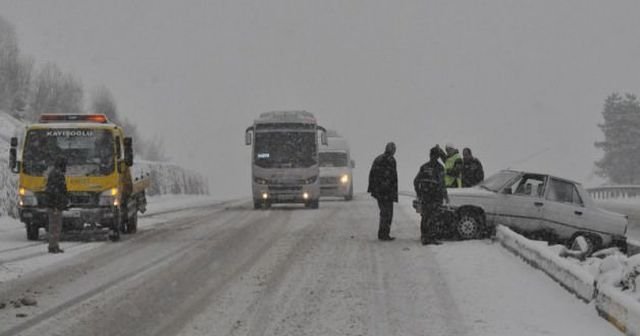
{"type": "Point", "coordinates": [33, 231]}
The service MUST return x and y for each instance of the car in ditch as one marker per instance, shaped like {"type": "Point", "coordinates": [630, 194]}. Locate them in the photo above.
{"type": "Point", "coordinates": [536, 205]}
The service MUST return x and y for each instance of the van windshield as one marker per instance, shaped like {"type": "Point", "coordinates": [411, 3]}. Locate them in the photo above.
{"type": "Point", "coordinates": [89, 152]}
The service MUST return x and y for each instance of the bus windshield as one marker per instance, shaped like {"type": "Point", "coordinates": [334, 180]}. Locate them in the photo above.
{"type": "Point", "coordinates": [89, 152]}
{"type": "Point", "coordinates": [285, 149]}
{"type": "Point", "coordinates": [333, 159]}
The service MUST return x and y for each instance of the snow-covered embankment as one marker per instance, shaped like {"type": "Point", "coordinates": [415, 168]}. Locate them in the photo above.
{"type": "Point", "coordinates": [609, 281]}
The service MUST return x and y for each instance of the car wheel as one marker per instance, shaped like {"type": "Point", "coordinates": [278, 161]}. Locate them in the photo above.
{"type": "Point", "coordinates": [349, 195]}
{"type": "Point", "coordinates": [468, 226]}
{"type": "Point", "coordinates": [594, 241]}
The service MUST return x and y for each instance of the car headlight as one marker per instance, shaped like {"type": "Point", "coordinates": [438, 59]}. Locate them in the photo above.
{"type": "Point", "coordinates": [259, 180]}
{"type": "Point", "coordinates": [311, 180]}
{"type": "Point", "coordinates": [109, 197]}
{"type": "Point", "coordinates": [27, 197]}
{"type": "Point", "coordinates": [344, 179]}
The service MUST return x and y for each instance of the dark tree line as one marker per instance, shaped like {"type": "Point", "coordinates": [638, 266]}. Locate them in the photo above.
{"type": "Point", "coordinates": [621, 145]}
{"type": "Point", "coordinates": [27, 92]}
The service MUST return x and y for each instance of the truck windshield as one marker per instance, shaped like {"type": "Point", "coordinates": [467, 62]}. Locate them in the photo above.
{"type": "Point", "coordinates": [285, 149]}
{"type": "Point", "coordinates": [89, 152]}
{"type": "Point", "coordinates": [333, 159]}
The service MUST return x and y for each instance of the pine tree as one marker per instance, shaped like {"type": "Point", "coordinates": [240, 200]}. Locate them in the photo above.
{"type": "Point", "coordinates": [621, 145]}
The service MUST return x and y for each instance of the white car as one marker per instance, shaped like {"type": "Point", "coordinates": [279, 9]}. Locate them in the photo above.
{"type": "Point", "coordinates": [536, 205]}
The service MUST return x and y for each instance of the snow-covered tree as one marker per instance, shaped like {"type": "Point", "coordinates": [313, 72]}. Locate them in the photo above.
{"type": "Point", "coordinates": [621, 145]}
{"type": "Point", "coordinates": [15, 71]}
{"type": "Point", "coordinates": [55, 92]}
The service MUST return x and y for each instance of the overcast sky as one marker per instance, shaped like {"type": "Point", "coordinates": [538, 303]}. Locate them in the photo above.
{"type": "Point", "coordinates": [522, 83]}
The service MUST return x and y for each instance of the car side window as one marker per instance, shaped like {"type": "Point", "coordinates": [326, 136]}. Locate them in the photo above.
{"type": "Point", "coordinates": [564, 192]}
{"type": "Point", "coordinates": [529, 185]}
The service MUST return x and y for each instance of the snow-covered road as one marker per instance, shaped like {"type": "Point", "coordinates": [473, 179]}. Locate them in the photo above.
{"type": "Point", "coordinates": [227, 269]}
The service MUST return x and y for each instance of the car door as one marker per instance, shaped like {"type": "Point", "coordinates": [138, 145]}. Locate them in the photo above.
{"type": "Point", "coordinates": [564, 211]}
{"type": "Point", "coordinates": [519, 204]}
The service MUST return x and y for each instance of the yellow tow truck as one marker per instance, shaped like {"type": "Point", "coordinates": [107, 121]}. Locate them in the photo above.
{"type": "Point", "coordinates": [102, 191]}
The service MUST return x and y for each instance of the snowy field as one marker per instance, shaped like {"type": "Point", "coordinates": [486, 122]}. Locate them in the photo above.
{"type": "Point", "coordinates": [286, 271]}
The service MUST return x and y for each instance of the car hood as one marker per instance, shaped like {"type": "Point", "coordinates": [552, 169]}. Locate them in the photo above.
{"type": "Point", "coordinates": [470, 192]}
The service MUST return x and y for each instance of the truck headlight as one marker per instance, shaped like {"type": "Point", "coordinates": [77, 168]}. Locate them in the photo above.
{"type": "Point", "coordinates": [27, 197]}
{"type": "Point", "coordinates": [109, 197]}
{"type": "Point", "coordinates": [344, 179]}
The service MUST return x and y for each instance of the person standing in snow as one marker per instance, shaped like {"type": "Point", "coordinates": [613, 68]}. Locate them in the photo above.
{"type": "Point", "coordinates": [452, 166]}
{"type": "Point", "coordinates": [472, 172]}
{"type": "Point", "coordinates": [57, 200]}
{"type": "Point", "coordinates": [383, 186]}
{"type": "Point", "coordinates": [431, 191]}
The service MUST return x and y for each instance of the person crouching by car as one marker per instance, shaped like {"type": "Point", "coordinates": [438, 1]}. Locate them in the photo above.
{"type": "Point", "coordinates": [383, 186]}
{"type": "Point", "coordinates": [58, 199]}
{"type": "Point", "coordinates": [430, 188]}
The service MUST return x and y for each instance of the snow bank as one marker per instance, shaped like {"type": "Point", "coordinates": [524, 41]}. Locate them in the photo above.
{"type": "Point", "coordinates": [571, 276]}
{"type": "Point", "coordinates": [612, 281]}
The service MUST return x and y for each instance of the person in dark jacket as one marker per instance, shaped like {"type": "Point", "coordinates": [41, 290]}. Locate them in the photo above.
{"type": "Point", "coordinates": [472, 172]}
{"type": "Point", "coordinates": [430, 188]}
{"type": "Point", "coordinates": [58, 199]}
{"type": "Point", "coordinates": [383, 186]}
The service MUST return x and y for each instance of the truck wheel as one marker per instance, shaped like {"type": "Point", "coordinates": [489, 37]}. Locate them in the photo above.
{"type": "Point", "coordinates": [468, 226]}
{"type": "Point", "coordinates": [132, 225]}
{"type": "Point", "coordinates": [33, 231]}
{"type": "Point", "coordinates": [116, 226]}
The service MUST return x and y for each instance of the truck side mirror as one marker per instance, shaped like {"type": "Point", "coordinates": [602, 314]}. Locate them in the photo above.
{"type": "Point", "coordinates": [507, 191]}
{"type": "Point", "coordinates": [13, 159]}
{"type": "Point", "coordinates": [13, 156]}
{"type": "Point", "coordinates": [128, 151]}
{"type": "Point", "coordinates": [248, 136]}
{"type": "Point", "coordinates": [323, 136]}
{"type": "Point", "coordinates": [353, 163]}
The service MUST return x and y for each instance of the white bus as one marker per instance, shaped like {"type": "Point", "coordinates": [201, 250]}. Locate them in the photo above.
{"type": "Point", "coordinates": [336, 166]}
{"type": "Point", "coordinates": [284, 158]}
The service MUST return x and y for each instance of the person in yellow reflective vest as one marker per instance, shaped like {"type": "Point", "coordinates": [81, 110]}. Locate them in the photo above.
{"type": "Point", "coordinates": [452, 164]}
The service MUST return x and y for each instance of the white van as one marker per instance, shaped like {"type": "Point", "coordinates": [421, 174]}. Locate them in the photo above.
{"type": "Point", "coordinates": [336, 166]}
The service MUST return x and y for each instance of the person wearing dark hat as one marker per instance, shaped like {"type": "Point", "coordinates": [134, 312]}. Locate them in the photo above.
{"type": "Point", "coordinates": [430, 188]}
{"type": "Point", "coordinates": [383, 186]}
{"type": "Point", "coordinates": [57, 201]}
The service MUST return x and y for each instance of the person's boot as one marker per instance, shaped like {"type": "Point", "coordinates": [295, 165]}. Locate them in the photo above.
{"type": "Point", "coordinates": [55, 249]}
{"type": "Point", "coordinates": [387, 238]}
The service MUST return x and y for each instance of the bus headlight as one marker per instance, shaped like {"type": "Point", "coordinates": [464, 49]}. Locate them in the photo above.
{"type": "Point", "coordinates": [109, 197]}
{"type": "Point", "coordinates": [27, 197]}
{"type": "Point", "coordinates": [259, 180]}
{"type": "Point", "coordinates": [344, 179]}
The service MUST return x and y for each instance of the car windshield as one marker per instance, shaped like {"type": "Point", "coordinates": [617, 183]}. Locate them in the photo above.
{"type": "Point", "coordinates": [89, 152]}
{"type": "Point", "coordinates": [498, 180]}
{"type": "Point", "coordinates": [285, 149]}
{"type": "Point", "coordinates": [333, 159]}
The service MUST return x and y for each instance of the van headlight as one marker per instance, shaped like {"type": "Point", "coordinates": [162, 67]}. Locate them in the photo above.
{"type": "Point", "coordinates": [344, 179]}
{"type": "Point", "coordinates": [27, 197]}
{"type": "Point", "coordinates": [109, 197]}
